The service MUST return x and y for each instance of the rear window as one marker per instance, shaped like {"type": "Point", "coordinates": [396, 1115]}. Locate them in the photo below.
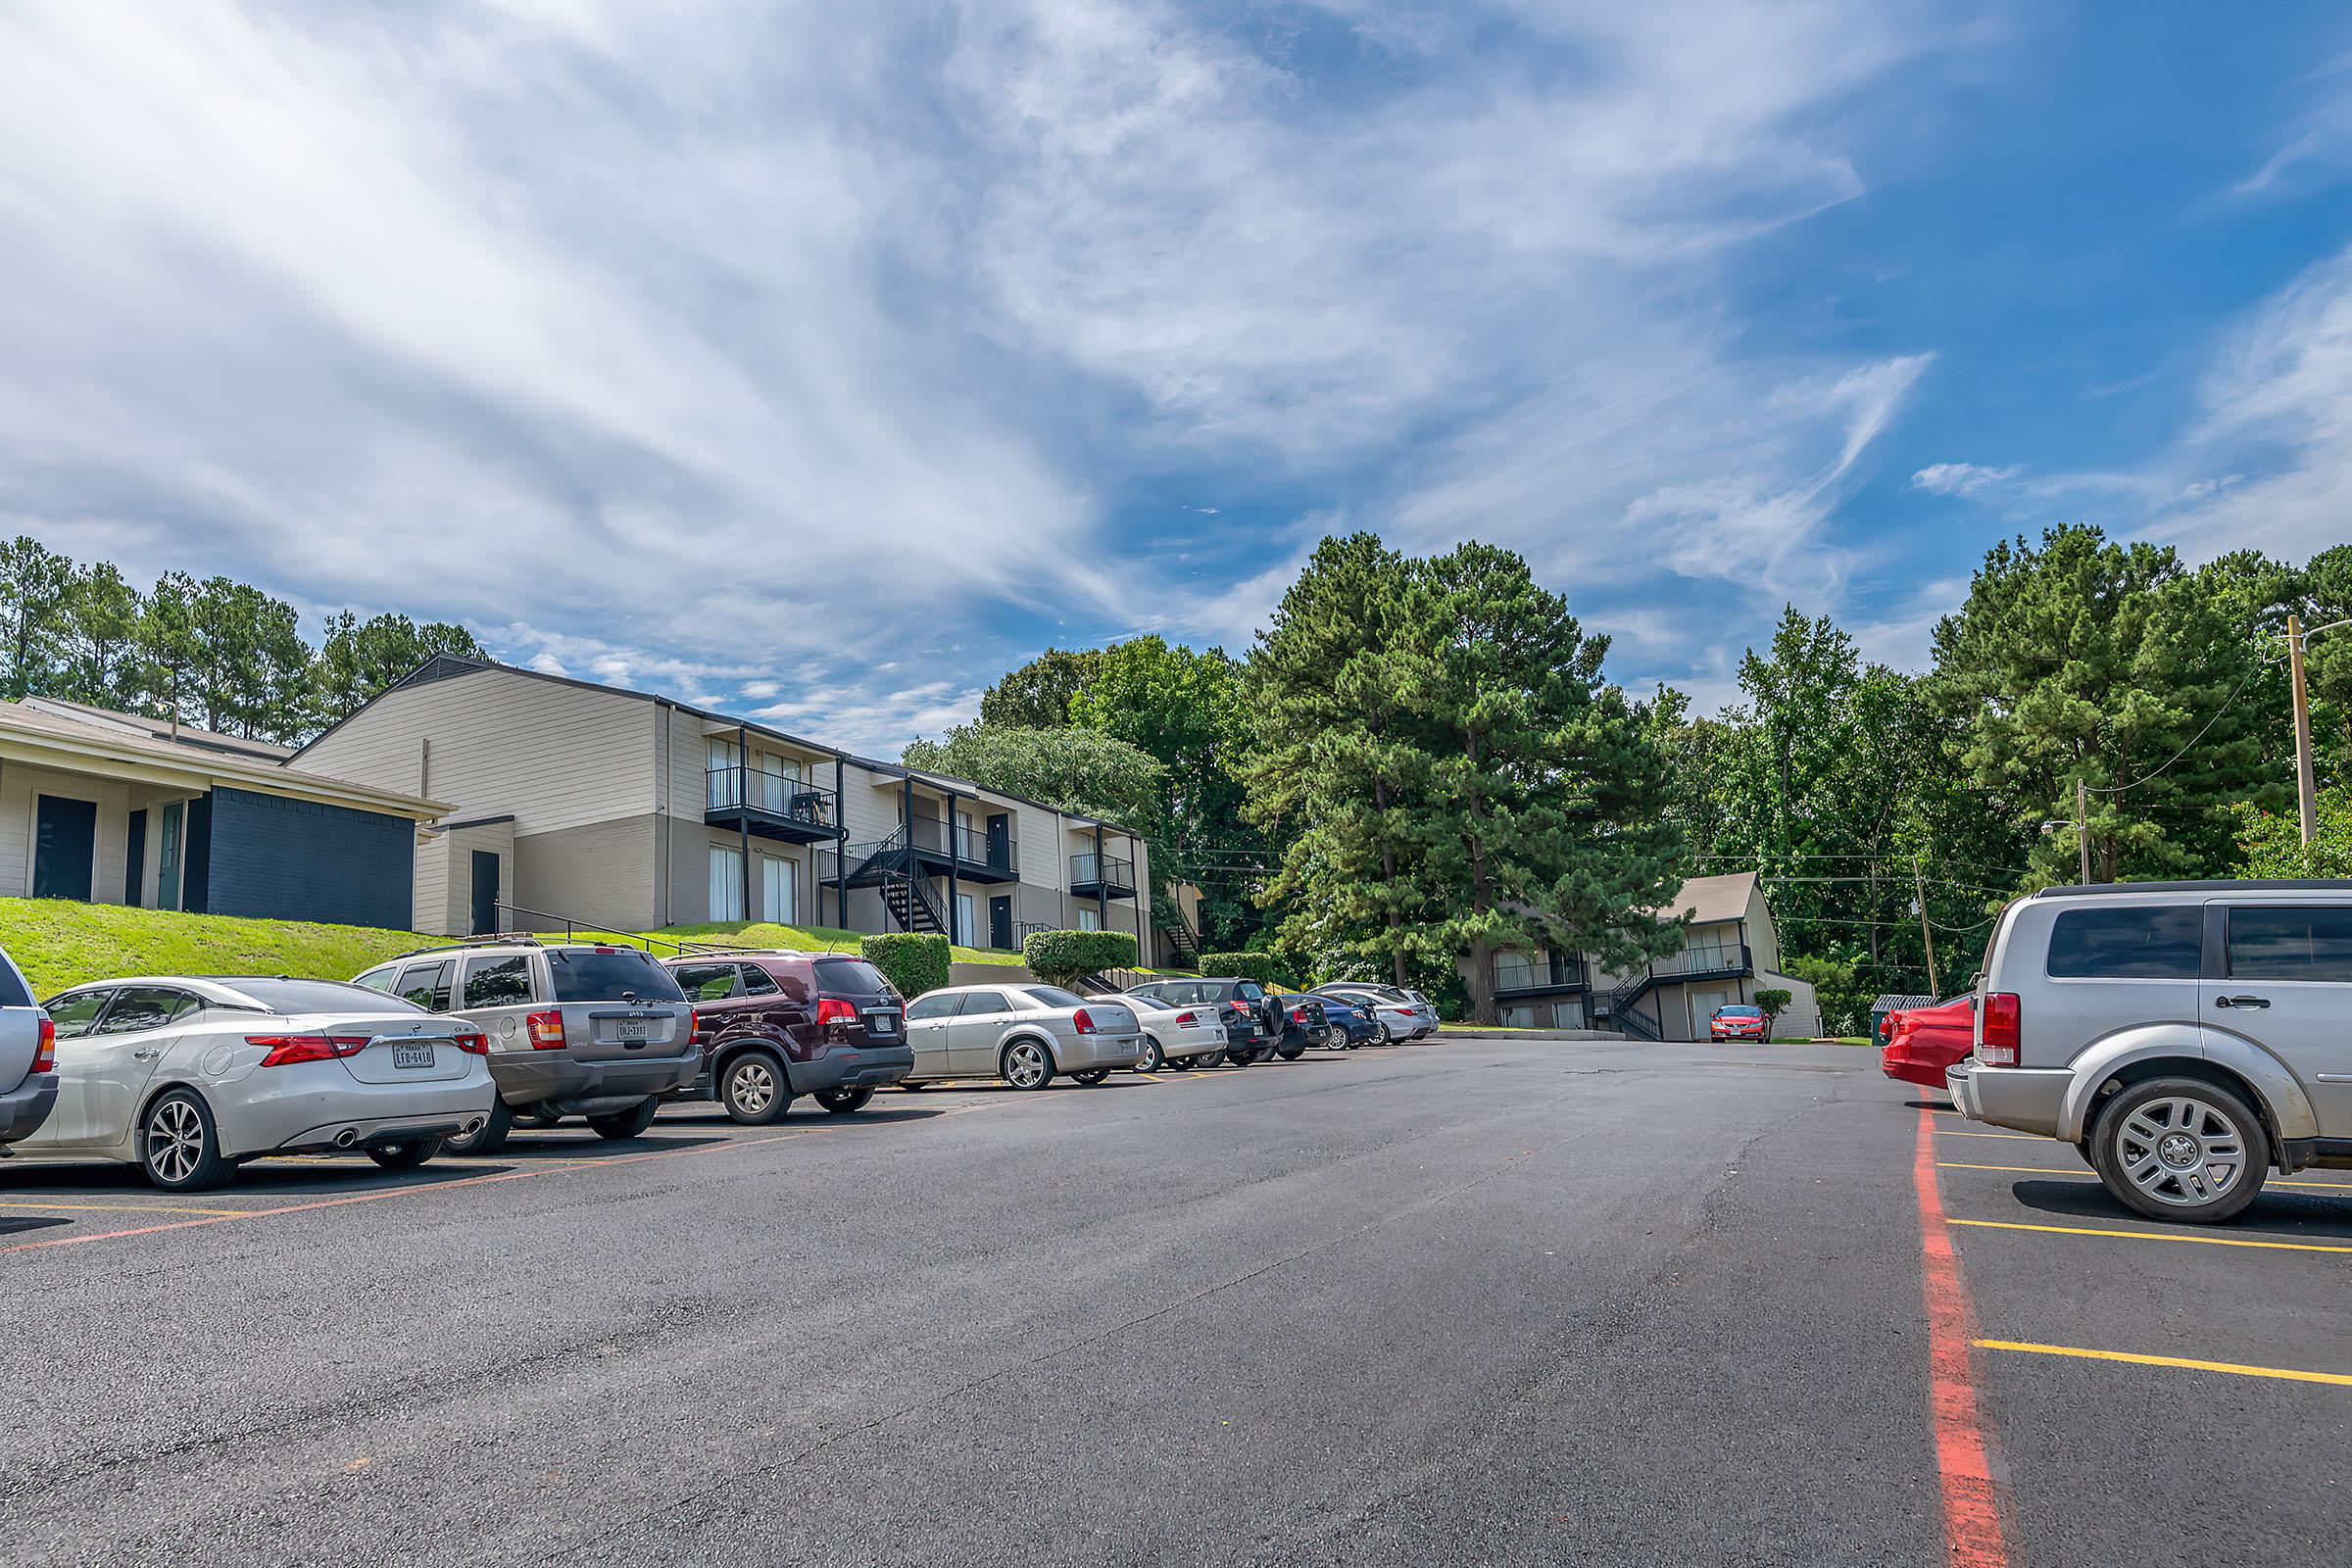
{"type": "Point", "coordinates": [1249, 991]}
{"type": "Point", "coordinates": [587, 974]}
{"type": "Point", "coordinates": [315, 995]}
{"type": "Point", "coordinates": [1055, 995]}
{"type": "Point", "coordinates": [854, 977]}
{"type": "Point", "coordinates": [12, 986]}
{"type": "Point", "coordinates": [2128, 944]}
{"type": "Point", "coordinates": [2288, 944]}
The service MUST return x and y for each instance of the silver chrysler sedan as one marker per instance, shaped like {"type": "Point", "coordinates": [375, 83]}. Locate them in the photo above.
{"type": "Point", "coordinates": [185, 1075]}
{"type": "Point", "coordinates": [1023, 1034]}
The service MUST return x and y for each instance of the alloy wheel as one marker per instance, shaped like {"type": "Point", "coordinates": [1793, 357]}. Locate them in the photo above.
{"type": "Point", "coordinates": [175, 1140]}
{"type": "Point", "coordinates": [2180, 1150]}
{"type": "Point", "coordinates": [753, 1087]}
{"type": "Point", "coordinates": [1025, 1065]}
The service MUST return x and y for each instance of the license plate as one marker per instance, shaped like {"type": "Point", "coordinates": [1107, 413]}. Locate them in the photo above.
{"type": "Point", "coordinates": [416, 1053]}
{"type": "Point", "coordinates": [881, 1023]}
{"type": "Point", "coordinates": [633, 1029]}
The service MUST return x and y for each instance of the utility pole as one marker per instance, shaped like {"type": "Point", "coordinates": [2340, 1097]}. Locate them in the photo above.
{"type": "Point", "coordinates": [2083, 829]}
{"type": "Point", "coordinates": [2307, 807]}
{"type": "Point", "coordinates": [1927, 933]}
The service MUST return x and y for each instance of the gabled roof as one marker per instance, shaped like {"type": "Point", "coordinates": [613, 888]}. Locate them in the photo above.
{"type": "Point", "coordinates": [1710, 898]}
{"type": "Point", "coordinates": [159, 729]}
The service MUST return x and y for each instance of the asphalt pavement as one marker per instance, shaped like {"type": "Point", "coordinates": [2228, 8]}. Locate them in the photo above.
{"type": "Point", "coordinates": [1473, 1301]}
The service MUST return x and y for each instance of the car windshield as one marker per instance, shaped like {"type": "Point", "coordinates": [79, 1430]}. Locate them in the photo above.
{"type": "Point", "coordinates": [1055, 995]}
{"type": "Point", "coordinates": [1740, 1013]}
{"type": "Point", "coordinates": [606, 974]}
{"type": "Point", "coordinates": [850, 976]}
{"type": "Point", "coordinates": [317, 995]}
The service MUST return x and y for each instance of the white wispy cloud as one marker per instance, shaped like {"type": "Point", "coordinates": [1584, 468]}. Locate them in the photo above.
{"type": "Point", "coordinates": [1961, 478]}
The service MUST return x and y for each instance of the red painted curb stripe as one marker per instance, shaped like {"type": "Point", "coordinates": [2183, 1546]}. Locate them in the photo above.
{"type": "Point", "coordinates": [1972, 1516]}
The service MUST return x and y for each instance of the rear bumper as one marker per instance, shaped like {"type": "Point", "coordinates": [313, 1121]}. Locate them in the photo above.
{"type": "Point", "coordinates": [851, 1067]}
{"type": "Point", "coordinates": [2028, 1099]}
{"type": "Point", "coordinates": [311, 1111]}
{"type": "Point", "coordinates": [557, 1081]}
{"type": "Point", "coordinates": [25, 1107]}
{"type": "Point", "coordinates": [1086, 1053]}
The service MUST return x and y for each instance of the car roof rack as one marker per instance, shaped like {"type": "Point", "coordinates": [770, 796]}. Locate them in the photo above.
{"type": "Point", "coordinates": [490, 939]}
{"type": "Point", "coordinates": [2068, 890]}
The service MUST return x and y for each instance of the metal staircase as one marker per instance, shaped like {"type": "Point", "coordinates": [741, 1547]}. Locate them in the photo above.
{"type": "Point", "coordinates": [1623, 999]}
{"type": "Point", "coordinates": [890, 867]}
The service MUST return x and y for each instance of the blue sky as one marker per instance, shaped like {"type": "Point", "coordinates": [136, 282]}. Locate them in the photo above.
{"type": "Point", "coordinates": [824, 361]}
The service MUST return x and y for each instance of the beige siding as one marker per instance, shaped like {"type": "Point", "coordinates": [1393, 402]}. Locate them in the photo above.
{"type": "Point", "coordinates": [445, 877]}
{"type": "Point", "coordinates": [554, 755]}
{"type": "Point", "coordinates": [600, 875]}
{"type": "Point", "coordinates": [116, 798]}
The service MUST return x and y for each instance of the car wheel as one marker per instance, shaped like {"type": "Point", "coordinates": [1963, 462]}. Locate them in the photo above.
{"type": "Point", "coordinates": [2180, 1149]}
{"type": "Point", "coordinates": [844, 1101]}
{"type": "Point", "coordinates": [629, 1123]}
{"type": "Point", "coordinates": [404, 1157]}
{"type": "Point", "coordinates": [1187, 1064]}
{"type": "Point", "coordinates": [1091, 1077]}
{"type": "Point", "coordinates": [1027, 1064]}
{"type": "Point", "coordinates": [178, 1145]}
{"type": "Point", "coordinates": [754, 1088]}
{"type": "Point", "coordinates": [1386, 1036]}
{"type": "Point", "coordinates": [487, 1139]}
{"type": "Point", "coordinates": [1239, 1058]}
{"type": "Point", "coordinates": [1152, 1060]}
{"type": "Point", "coordinates": [537, 1118]}
{"type": "Point", "coordinates": [1291, 1049]}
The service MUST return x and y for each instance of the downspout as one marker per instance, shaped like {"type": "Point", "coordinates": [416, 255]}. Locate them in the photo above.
{"type": "Point", "coordinates": [841, 852]}
{"type": "Point", "coordinates": [1102, 883]}
{"type": "Point", "coordinates": [743, 810]}
{"type": "Point", "coordinates": [954, 866]}
{"type": "Point", "coordinates": [906, 811]}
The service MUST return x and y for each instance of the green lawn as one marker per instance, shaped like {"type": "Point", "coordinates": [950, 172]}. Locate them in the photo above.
{"type": "Point", "coordinates": [59, 942]}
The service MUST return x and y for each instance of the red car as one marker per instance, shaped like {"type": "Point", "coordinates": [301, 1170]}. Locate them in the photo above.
{"type": "Point", "coordinates": [1737, 1022]}
{"type": "Point", "coordinates": [1925, 1040]}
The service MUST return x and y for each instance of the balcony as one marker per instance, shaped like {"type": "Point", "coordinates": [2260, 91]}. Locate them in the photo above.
{"type": "Point", "coordinates": [1104, 876]}
{"type": "Point", "coordinates": [1523, 974]}
{"type": "Point", "coordinates": [770, 806]}
{"type": "Point", "coordinates": [1714, 961]}
{"type": "Point", "coordinates": [974, 855]}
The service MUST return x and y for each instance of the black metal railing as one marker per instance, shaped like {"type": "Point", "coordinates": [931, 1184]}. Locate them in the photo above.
{"type": "Point", "coordinates": [1723, 957]}
{"type": "Point", "coordinates": [778, 795]}
{"type": "Point", "coordinates": [974, 847]}
{"type": "Point", "coordinates": [1518, 973]}
{"type": "Point", "coordinates": [1105, 870]}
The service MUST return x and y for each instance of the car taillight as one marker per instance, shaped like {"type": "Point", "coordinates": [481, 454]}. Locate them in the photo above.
{"type": "Point", "coordinates": [287, 1050]}
{"type": "Point", "coordinates": [44, 1050]}
{"type": "Point", "coordinates": [546, 1030]}
{"type": "Point", "coordinates": [1298, 1016]}
{"type": "Point", "coordinates": [1083, 1021]}
{"type": "Point", "coordinates": [1185, 1020]}
{"type": "Point", "coordinates": [832, 1009]}
{"type": "Point", "coordinates": [472, 1042]}
{"type": "Point", "coordinates": [2001, 1030]}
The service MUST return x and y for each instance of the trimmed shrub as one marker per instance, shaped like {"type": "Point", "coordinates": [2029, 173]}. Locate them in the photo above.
{"type": "Point", "coordinates": [1059, 958]}
{"type": "Point", "coordinates": [1775, 1002]}
{"type": "Point", "coordinates": [914, 961]}
{"type": "Point", "coordinates": [1263, 967]}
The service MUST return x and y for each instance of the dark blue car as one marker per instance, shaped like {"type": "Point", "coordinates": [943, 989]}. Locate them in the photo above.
{"type": "Point", "coordinates": [1352, 1024]}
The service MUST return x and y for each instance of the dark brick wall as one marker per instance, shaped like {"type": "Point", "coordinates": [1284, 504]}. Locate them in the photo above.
{"type": "Point", "coordinates": [284, 860]}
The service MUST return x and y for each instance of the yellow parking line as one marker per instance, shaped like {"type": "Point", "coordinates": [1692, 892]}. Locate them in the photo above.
{"type": "Point", "coordinates": [2029, 1138]}
{"type": "Point", "coordinates": [2289, 1374]}
{"type": "Point", "coordinates": [2049, 1170]}
{"type": "Point", "coordinates": [113, 1209]}
{"type": "Point", "coordinates": [2151, 1236]}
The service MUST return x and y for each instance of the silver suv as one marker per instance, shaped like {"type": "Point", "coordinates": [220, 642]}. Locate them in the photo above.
{"type": "Point", "coordinates": [2189, 1037]}
{"type": "Point", "coordinates": [577, 1029]}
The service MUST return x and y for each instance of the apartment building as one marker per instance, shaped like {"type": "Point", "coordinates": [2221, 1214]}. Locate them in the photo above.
{"type": "Point", "coordinates": [624, 809]}
{"type": "Point", "coordinates": [1731, 950]}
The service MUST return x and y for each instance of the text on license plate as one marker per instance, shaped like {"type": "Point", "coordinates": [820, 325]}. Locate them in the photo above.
{"type": "Point", "coordinates": [633, 1029]}
{"type": "Point", "coordinates": [880, 1024]}
{"type": "Point", "coordinates": [412, 1054]}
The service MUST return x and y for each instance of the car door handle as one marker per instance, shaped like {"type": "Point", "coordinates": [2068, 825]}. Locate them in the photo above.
{"type": "Point", "coordinates": [149, 1055]}
{"type": "Point", "coordinates": [2241, 1001]}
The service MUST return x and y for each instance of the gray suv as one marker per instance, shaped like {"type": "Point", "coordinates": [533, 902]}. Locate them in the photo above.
{"type": "Point", "coordinates": [577, 1029]}
{"type": "Point", "coordinates": [27, 1059]}
{"type": "Point", "coordinates": [2188, 1037]}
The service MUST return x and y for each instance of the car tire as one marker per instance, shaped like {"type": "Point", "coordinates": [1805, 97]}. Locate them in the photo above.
{"type": "Point", "coordinates": [487, 1139]}
{"type": "Point", "coordinates": [404, 1157]}
{"type": "Point", "coordinates": [1152, 1058]}
{"type": "Point", "coordinates": [1187, 1064]}
{"type": "Point", "coordinates": [537, 1118]}
{"type": "Point", "coordinates": [1387, 1035]}
{"type": "Point", "coordinates": [1291, 1049]}
{"type": "Point", "coordinates": [913, 1087]}
{"type": "Point", "coordinates": [2156, 1145]}
{"type": "Point", "coordinates": [844, 1101]}
{"type": "Point", "coordinates": [1091, 1077]}
{"type": "Point", "coordinates": [180, 1147]}
{"type": "Point", "coordinates": [1026, 1063]}
{"type": "Point", "coordinates": [1239, 1058]}
{"type": "Point", "coordinates": [625, 1124]}
{"type": "Point", "coordinates": [754, 1089]}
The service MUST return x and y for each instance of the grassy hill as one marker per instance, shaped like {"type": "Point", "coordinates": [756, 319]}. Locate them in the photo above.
{"type": "Point", "coordinates": [58, 942]}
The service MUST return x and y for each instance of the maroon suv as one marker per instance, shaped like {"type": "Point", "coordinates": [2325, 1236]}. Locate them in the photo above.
{"type": "Point", "coordinates": [774, 1025]}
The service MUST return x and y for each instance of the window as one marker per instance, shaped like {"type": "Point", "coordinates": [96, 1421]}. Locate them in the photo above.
{"type": "Point", "coordinates": [138, 1008]}
{"type": "Point", "coordinates": [1522, 1017]}
{"type": "Point", "coordinates": [425, 985]}
{"type": "Point", "coordinates": [779, 888]}
{"type": "Point", "coordinates": [12, 986]}
{"type": "Point", "coordinates": [2134, 943]}
{"type": "Point", "coordinates": [1515, 972]}
{"type": "Point", "coordinates": [964, 919]}
{"type": "Point", "coordinates": [1249, 990]}
{"type": "Point", "coordinates": [376, 979]}
{"type": "Point", "coordinates": [498, 982]}
{"type": "Point", "coordinates": [726, 883]}
{"type": "Point", "coordinates": [938, 1005]}
{"type": "Point", "coordinates": [980, 1004]}
{"type": "Point", "coordinates": [1090, 919]}
{"type": "Point", "coordinates": [852, 977]}
{"type": "Point", "coordinates": [706, 982]}
{"type": "Point", "coordinates": [310, 996]}
{"type": "Point", "coordinates": [1055, 995]}
{"type": "Point", "coordinates": [754, 981]}
{"type": "Point", "coordinates": [1569, 1015]}
{"type": "Point", "coordinates": [726, 788]}
{"type": "Point", "coordinates": [2289, 943]}
{"type": "Point", "coordinates": [607, 974]}
{"type": "Point", "coordinates": [74, 1013]}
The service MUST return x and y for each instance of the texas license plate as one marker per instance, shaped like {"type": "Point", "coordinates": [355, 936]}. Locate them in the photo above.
{"type": "Point", "coordinates": [633, 1029]}
{"type": "Point", "coordinates": [412, 1054]}
{"type": "Point", "coordinates": [881, 1023]}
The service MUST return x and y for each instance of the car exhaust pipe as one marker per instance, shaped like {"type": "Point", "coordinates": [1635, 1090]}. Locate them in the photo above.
{"type": "Point", "coordinates": [473, 1126]}
{"type": "Point", "coordinates": [347, 1136]}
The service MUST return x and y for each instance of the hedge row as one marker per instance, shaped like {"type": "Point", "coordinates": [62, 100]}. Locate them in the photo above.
{"type": "Point", "coordinates": [912, 960]}
{"type": "Point", "coordinates": [1059, 958]}
{"type": "Point", "coordinates": [1263, 967]}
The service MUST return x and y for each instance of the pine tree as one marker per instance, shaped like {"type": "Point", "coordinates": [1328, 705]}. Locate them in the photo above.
{"type": "Point", "coordinates": [33, 582]}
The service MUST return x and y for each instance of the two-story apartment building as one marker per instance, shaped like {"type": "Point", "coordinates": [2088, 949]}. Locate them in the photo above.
{"type": "Point", "coordinates": [1731, 951]}
{"type": "Point", "coordinates": [630, 810]}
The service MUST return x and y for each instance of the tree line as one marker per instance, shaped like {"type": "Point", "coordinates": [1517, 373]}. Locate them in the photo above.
{"type": "Point", "coordinates": [1421, 758]}
{"type": "Point", "coordinates": [223, 655]}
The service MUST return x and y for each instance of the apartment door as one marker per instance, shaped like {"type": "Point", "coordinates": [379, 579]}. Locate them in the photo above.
{"type": "Point", "coordinates": [726, 884]}
{"type": "Point", "coordinates": [725, 788]}
{"type": "Point", "coordinates": [1000, 923]}
{"type": "Point", "coordinates": [778, 890]}
{"type": "Point", "coordinates": [167, 856]}
{"type": "Point", "coordinates": [135, 858]}
{"type": "Point", "coordinates": [999, 840]}
{"type": "Point", "coordinates": [486, 893]}
{"type": "Point", "coordinates": [779, 781]}
{"type": "Point", "coordinates": [65, 847]}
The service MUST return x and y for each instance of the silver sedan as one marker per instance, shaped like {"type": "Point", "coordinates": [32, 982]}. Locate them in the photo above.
{"type": "Point", "coordinates": [1023, 1034]}
{"type": "Point", "coordinates": [1178, 1037]}
{"type": "Point", "coordinates": [185, 1075]}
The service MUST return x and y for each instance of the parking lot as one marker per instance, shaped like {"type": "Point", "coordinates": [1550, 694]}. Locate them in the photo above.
{"type": "Point", "coordinates": [1471, 1301]}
